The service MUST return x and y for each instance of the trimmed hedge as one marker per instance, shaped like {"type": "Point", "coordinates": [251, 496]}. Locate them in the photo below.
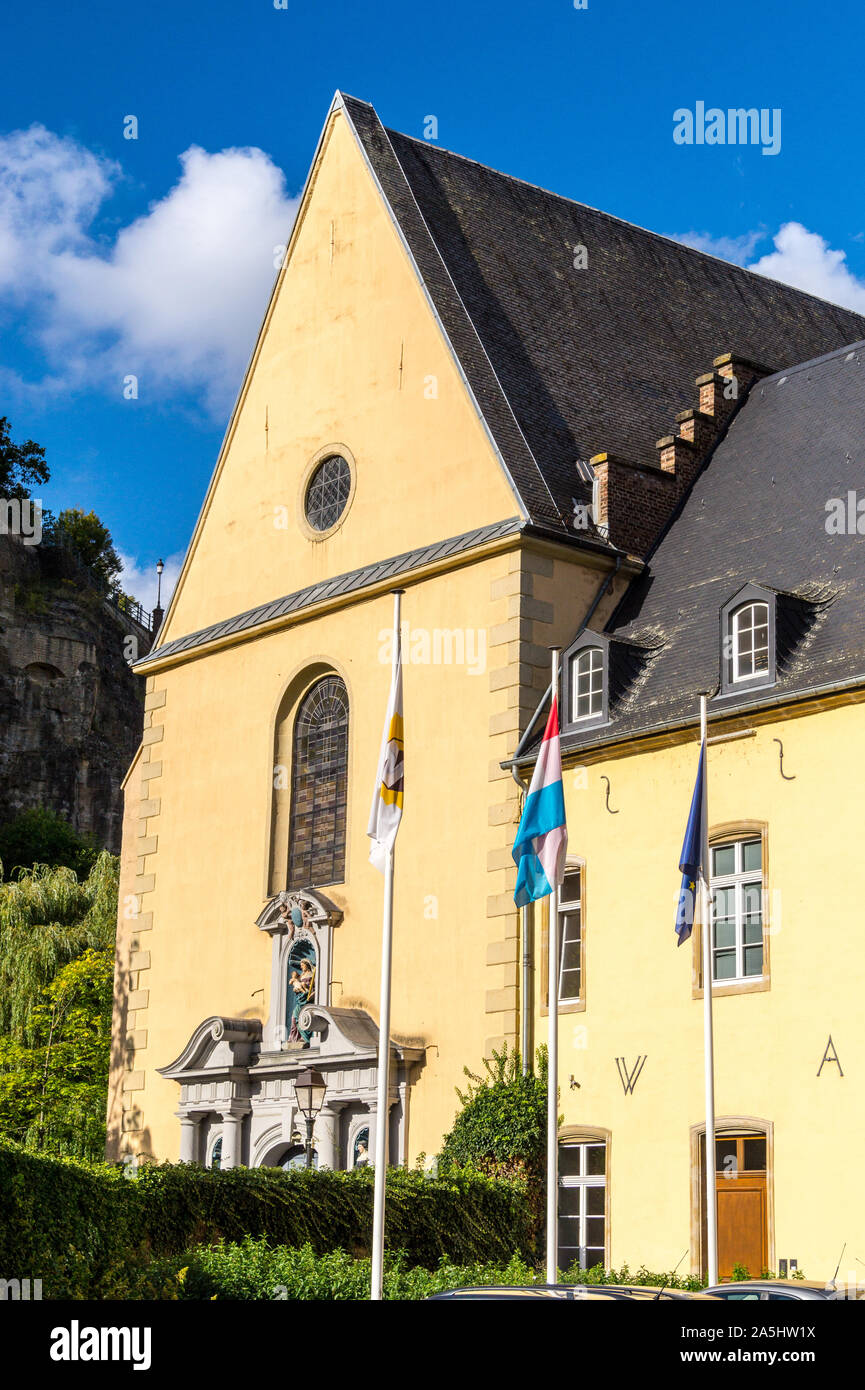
{"type": "Point", "coordinates": [76, 1226]}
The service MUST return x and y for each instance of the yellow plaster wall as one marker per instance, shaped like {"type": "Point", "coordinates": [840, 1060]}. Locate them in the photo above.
{"type": "Point", "coordinates": [350, 355]}
{"type": "Point", "coordinates": [768, 1046]}
{"type": "Point", "coordinates": [209, 872]}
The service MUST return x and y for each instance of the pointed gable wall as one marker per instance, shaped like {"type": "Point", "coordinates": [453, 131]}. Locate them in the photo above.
{"type": "Point", "coordinates": [350, 356]}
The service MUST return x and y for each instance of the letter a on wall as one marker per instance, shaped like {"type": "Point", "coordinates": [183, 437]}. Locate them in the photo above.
{"type": "Point", "coordinates": [830, 1056]}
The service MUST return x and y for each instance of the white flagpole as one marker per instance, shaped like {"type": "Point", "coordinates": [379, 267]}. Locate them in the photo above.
{"type": "Point", "coordinates": [553, 1062]}
{"type": "Point", "coordinates": [382, 1114]}
{"type": "Point", "coordinates": [708, 1043]}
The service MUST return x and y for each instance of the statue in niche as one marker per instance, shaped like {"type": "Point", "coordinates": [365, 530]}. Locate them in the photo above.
{"type": "Point", "coordinates": [302, 968]}
{"type": "Point", "coordinates": [360, 1149]}
{"type": "Point", "coordinates": [300, 923]}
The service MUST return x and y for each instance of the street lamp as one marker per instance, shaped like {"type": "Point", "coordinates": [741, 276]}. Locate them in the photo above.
{"type": "Point", "coordinates": [159, 568]}
{"type": "Point", "coordinates": [309, 1089]}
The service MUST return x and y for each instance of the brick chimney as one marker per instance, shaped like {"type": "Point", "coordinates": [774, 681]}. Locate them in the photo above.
{"type": "Point", "coordinates": [635, 501]}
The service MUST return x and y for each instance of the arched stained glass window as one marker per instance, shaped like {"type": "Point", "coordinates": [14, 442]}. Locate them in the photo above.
{"type": "Point", "coordinates": [319, 787]}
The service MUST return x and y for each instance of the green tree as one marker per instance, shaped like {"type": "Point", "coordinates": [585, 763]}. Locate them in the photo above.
{"type": "Point", "coordinates": [47, 919]}
{"type": "Point", "coordinates": [53, 1093]}
{"type": "Point", "coordinates": [91, 541]}
{"type": "Point", "coordinates": [22, 466]}
{"type": "Point", "coordinates": [41, 836]}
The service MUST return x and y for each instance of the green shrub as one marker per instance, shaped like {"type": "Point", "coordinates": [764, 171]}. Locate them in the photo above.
{"type": "Point", "coordinates": [255, 1270]}
{"type": "Point", "coordinates": [501, 1127]}
{"type": "Point", "coordinates": [78, 1227]}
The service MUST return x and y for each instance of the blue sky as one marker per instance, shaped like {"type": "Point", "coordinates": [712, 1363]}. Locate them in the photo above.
{"type": "Point", "coordinates": [153, 257]}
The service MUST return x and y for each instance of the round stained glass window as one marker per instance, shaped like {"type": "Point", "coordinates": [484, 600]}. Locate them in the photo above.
{"type": "Point", "coordinates": [327, 493]}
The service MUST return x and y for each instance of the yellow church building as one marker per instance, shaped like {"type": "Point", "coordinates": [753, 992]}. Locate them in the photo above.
{"type": "Point", "coordinates": [548, 427]}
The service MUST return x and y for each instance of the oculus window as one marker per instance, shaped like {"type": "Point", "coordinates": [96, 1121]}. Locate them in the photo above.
{"type": "Point", "coordinates": [327, 493]}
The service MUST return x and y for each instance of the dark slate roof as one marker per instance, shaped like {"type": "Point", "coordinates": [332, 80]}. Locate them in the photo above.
{"type": "Point", "coordinates": [566, 363]}
{"type": "Point", "coordinates": [757, 513]}
{"type": "Point", "coordinates": [352, 582]}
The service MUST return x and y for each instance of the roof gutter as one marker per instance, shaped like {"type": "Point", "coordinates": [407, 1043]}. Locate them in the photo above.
{"type": "Point", "coordinates": [670, 727]}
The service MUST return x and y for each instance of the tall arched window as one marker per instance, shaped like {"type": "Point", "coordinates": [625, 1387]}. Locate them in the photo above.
{"type": "Point", "coordinates": [319, 786]}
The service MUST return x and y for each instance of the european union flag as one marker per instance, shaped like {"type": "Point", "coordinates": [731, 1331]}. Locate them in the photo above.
{"type": "Point", "coordinates": [691, 862]}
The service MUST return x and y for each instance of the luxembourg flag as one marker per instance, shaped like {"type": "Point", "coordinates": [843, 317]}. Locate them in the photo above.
{"type": "Point", "coordinates": [542, 838]}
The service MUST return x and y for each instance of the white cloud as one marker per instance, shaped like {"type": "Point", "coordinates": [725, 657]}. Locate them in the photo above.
{"type": "Point", "coordinates": [801, 258]}
{"type": "Point", "coordinates": [737, 249]}
{"type": "Point", "coordinates": [139, 579]}
{"type": "Point", "coordinates": [175, 298]}
{"type": "Point", "coordinates": [806, 260]}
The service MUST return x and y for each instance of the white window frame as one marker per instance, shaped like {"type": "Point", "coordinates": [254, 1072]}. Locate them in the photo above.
{"type": "Point", "coordinates": [738, 631]}
{"type": "Point", "coordinates": [588, 663]}
{"type": "Point", "coordinates": [738, 880]}
{"type": "Point", "coordinates": [585, 1182]}
{"type": "Point", "coordinates": [570, 907]}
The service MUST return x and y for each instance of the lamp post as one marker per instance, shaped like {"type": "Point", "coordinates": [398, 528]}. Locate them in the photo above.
{"type": "Point", "coordinates": [309, 1089]}
{"type": "Point", "coordinates": [157, 614]}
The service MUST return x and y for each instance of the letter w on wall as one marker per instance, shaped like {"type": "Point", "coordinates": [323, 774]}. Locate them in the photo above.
{"type": "Point", "coordinates": [630, 1078]}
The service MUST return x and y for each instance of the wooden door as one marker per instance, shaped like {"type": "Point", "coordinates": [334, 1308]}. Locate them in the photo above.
{"type": "Point", "coordinates": [740, 1184]}
{"type": "Point", "coordinates": [742, 1235]}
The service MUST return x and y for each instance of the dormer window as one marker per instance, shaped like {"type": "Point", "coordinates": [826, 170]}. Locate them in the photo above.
{"type": "Point", "coordinates": [587, 690]}
{"type": "Point", "coordinates": [598, 670]}
{"type": "Point", "coordinates": [750, 641]}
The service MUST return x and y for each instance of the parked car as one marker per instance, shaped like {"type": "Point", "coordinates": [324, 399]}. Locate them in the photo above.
{"type": "Point", "coordinates": [609, 1293]}
{"type": "Point", "coordinates": [772, 1290]}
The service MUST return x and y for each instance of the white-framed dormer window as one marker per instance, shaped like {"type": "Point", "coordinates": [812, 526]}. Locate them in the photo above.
{"type": "Point", "coordinates": [737, 910]}
{"type": "Point", "coordinates": [750, 645]}
{"type": "Point", "coordinates": [587, 688]}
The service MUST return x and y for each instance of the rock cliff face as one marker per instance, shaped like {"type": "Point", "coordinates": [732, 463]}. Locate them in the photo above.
{"type": "Point", "coordinates": [71, 710]}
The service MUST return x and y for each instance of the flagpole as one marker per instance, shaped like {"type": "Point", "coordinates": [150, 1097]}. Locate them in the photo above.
{"type": "Point", "coordinates": [553, 1059]}
{"type": "Point", "coordinates": [382, 1111]}
{"type": "Point", "coordinates": [708, 1041]}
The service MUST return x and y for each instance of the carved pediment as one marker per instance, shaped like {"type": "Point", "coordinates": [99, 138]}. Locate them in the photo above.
{"type": "Point", "coordinates": [220, 1041]}
{"type": "Point", "coordinates": [303, 908]}
{"type": "Point", "coordinates": [349, 1032]}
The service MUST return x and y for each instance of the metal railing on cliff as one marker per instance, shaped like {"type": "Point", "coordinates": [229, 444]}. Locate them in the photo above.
{"type": "Point", "coordinates": [123, 603]}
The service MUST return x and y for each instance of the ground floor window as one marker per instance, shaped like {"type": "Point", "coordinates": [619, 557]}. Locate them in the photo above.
{"type": "Point", "coordinates": [582, 1203]}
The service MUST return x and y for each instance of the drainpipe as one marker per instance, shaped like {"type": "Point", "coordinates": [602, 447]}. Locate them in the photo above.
{"type": "Point", "coordinates": [525, 929]}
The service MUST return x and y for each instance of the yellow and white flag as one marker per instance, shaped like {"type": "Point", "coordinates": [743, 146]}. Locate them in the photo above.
{"type": "Point", "coordinates": [386, 811]}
